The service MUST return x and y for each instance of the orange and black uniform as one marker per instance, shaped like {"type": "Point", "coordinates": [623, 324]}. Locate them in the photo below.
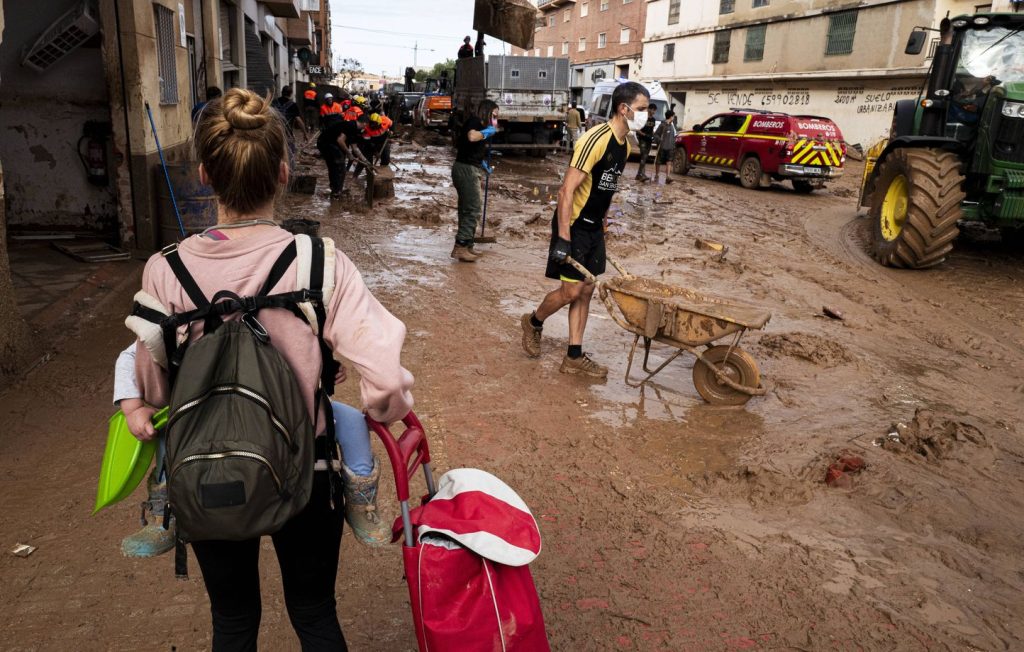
{"type": "Point", "coordinates": [330, 113]}
{"type": "Point", "coordinates": [602, 157]}
{"type": "Point", "coordinates": [352, 112]}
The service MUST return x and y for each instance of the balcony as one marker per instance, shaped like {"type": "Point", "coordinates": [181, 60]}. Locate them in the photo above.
{"type": "Point", "coordinates": [299, 32]}
{"type": "Point", "coordinates": [544, 5]}
{"type": "Point", "coordinates": [282, 8]}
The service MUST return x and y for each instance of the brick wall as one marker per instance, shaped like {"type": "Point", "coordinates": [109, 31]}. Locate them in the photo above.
{"type": "Point", "coordinates": [563, 23]}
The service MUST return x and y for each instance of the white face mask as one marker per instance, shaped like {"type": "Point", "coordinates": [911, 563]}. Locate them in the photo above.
{"type": "Point", "coordinates": [638, 121]}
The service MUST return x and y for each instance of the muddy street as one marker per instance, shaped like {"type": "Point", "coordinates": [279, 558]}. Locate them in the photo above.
{"type": "Point", "coordinates": [668, 524]}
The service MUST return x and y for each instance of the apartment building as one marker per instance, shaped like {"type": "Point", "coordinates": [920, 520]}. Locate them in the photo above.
{"type": "Point", "coordinates": [838, 59]}
{"type": "Point", "coordinates": [601, 38]}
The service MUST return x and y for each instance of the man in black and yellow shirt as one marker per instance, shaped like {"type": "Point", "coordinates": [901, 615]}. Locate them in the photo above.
{"type": "Point", "coordinates": [579, 224]}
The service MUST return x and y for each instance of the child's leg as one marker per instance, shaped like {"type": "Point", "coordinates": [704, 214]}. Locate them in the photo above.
{"type": "Point", "coordinates": [354, 438]}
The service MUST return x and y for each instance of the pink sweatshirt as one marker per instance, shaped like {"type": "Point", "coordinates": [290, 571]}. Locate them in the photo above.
{"type": "Point", "coordinates": [358, 328]}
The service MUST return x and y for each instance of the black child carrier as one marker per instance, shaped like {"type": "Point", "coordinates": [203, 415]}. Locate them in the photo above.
{"type": "Point", "coordinates": [240, 441]}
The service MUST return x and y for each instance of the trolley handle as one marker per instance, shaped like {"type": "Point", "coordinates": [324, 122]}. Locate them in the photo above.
{"type": "Point", "coordinates": [406, 452]}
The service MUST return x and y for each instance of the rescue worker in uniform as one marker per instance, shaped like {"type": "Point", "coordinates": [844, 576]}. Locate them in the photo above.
{"type": "Point", "coordinates": [374, 141]}
{"type": "Point", "coordinates": [339, 140]}
{"type": "Point", "coordinates": [330, 111]}
{"type": "Point", "coordinates": [309, 108]}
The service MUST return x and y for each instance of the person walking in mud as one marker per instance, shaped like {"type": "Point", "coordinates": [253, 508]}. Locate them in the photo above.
{"type": "Point", "coordinates": [665, 139]}
{"type": "Point", "coordinates": [470, 163]}
{"type": "Point", "coordinates": [645, 138]}
{"type": "Point", "coordinates": [573, 122]}
{"type": "Point", "coordinates": [579, 225]}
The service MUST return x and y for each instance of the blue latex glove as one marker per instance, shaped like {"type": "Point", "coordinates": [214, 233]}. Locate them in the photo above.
{"type": "Point", "coordinates": [488, 131]}
{"type": "Point", "coordinates": [486, 166]}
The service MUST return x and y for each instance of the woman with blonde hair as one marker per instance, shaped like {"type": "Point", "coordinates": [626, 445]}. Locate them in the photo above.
{"type": "Point", "coordinates": [242, 149]}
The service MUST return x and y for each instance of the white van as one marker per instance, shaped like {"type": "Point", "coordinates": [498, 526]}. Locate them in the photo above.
{"type": "Point", "coordinates": [601, 105]}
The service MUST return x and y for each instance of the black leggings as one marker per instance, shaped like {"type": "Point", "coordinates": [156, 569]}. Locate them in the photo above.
{"type": "Point", "coordinates": [307, 550]}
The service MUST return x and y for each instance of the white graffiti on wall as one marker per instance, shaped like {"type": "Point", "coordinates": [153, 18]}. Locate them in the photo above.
{"type": "Point", "coordinates": [863, 100]}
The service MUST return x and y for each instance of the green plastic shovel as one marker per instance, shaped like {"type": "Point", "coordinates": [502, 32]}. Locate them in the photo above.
{"type": "Point", "coordinates": [125, 461]}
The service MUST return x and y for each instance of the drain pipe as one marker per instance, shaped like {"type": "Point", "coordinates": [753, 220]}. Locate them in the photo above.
{"type": "Point", "coordinates": [127, 122]}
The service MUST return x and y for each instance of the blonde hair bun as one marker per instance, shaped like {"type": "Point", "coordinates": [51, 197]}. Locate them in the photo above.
{"type": "Point", "coordinates": [245, 110]}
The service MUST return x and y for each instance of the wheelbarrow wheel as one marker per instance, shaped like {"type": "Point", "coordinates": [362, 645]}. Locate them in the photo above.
{"type": "Point", "coordinates": [740, 367]}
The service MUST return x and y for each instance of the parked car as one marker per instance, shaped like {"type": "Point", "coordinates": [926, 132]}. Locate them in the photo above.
{"type": "Point", "coordinates": [601, 106]}
{"type": "Point", "coordinates": [433, 111]}
{"type": "Point", "coordinates": [760, 146]}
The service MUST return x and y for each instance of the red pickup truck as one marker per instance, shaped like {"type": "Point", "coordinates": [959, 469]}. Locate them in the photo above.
{"type": "Point", "coordinates": [763, 145]}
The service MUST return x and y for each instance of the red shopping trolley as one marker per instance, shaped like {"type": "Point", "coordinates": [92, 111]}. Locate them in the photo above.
{"type": "Point", "coordinates": [465, 554]}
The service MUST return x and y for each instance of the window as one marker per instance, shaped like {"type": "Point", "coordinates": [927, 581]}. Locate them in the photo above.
{"type": "Point", "coordinates": [604, 5]}
{"type": "Point", "coordinates": [551, 21]}
{"type": "Point", "coordinates": [536, 52]}
{"type": "Point", "coordinates": [565, 47]}
{"type": "Point", "coordinates": [727, 6]}
{"type": "Point", "coordinates": [514, 73]}
{"type": "Point", "coordinates": [720, 53]}
{"type": "Point", "coordinates": [602, 40]}
{"type": "Point", "coordinates": [758, 3]}
{"type": "Point", "coordinates": [602, 105]}
{"type": "Point", "coordinates": [668, 53]}
{"type": "Point", "coordinates": [673, 12]}
{"type": "Point", "coordinates": [754, 50]}
{"type": "Point", "coordinates": [626, 2]}
{"type": "Point", "coordinates": [841, 28]}
{"type": "Point", "coordinates": [583, 9]}
{"type": "Point", "coordinates": [163, 20]}
{"type": "Point", "coordinates": [551, 50]}
{"type": "Point", "coordinates": [624, 35]}
{"type": "Point", "coordinates": [583, 44]}
{"type": "Point", "coordinates": [542, 74]}
{"type": "Point", "coordinates": [725, 123]}
{"type": "Point", "coordinates": [566, 15]}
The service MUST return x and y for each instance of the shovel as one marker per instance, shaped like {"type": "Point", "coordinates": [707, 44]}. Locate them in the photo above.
{"type": "Point", "coordinates": [482, 238]}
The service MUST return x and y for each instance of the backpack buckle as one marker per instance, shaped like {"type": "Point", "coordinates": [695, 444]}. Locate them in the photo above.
{"type": "Point", "coordinates": [255, 327]}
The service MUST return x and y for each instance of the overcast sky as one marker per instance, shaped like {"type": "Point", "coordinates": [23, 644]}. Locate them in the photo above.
{"type": "Point", "coordinates": [381, 35]}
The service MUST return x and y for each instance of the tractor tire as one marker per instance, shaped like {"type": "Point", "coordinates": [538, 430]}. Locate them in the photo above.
{"type": "Point", "coordinates": [915, 207]}
{"type": "Point", "coordinates": [750, 173]}
{"type": "Point", "coordinates": [680, 162]}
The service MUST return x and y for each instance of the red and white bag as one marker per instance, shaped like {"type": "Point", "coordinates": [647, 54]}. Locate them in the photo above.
{"type": "Point", "coordinates": [467, 572]}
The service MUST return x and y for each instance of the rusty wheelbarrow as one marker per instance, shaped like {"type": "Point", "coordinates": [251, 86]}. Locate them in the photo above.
{"type": "Point", "coordinates": [724, 374]}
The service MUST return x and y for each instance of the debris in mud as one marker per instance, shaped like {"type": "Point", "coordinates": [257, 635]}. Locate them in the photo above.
{"type": "Point", "coordinates": [844, 192]}
{"type": "Point", "coordinates": [832, 313]}
{"type": "Point", "coordinates": [708, 245]}
{"type": "Point", "coordinates": [840, 473]}
{"type": "Point", "coordinates": [22, 550]}
{"type": "Point", "coordinates": [805, 346]}
{"type": "Point", "coordinates": [931, 435]}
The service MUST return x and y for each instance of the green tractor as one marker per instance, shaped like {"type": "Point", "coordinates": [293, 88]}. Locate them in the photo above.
{"type": "Point", "coordinates": [957, 152]}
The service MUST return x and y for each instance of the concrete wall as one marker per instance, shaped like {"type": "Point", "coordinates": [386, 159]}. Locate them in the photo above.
{"type": "Point", "coordinates": [14, 334]}
{"type": "Point", "coordinates": [862, 108]}
{"type": "Point", "coordinates": [41, 121]}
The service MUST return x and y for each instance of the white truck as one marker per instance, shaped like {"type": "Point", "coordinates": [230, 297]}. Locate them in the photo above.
{"type": "Point", "coordinates": [532, 94]}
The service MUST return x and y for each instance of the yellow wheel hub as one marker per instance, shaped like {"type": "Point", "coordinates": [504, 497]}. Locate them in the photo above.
{"type": "Point", "coordinates": [894, 208]}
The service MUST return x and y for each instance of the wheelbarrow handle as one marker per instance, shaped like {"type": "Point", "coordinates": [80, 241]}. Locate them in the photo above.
{"type": "Point", "coordinates": [590, 277]}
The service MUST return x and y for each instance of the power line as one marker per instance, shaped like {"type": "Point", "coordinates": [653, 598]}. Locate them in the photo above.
{"type": "Point", "coordinates": [389, 32]}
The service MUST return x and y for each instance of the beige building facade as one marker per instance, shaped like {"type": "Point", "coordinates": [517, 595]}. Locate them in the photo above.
{"type": "Point", "coordinates": [820, 57]}
{"type": "Point", "coordinates": [601, 39]}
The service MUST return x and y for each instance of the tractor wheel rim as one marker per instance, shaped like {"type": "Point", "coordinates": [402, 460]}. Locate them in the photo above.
{"type": "Point", "coordinates": [894, 208]}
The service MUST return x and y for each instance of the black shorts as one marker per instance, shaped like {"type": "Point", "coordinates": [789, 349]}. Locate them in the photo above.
{"type": "Point", "coordinates": [665, 155]}
{"type": "Point", "coordinates": [587, 249]}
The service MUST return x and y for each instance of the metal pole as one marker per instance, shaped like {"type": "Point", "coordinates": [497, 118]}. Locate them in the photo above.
{"type": "Point", "coordinates": [167, 176]}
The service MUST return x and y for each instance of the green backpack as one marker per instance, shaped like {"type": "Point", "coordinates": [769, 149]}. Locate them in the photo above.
{"type": "Point", "coordinates": [240, 443]}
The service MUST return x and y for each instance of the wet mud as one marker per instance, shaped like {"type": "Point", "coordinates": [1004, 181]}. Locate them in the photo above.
{"type": "Point", "coordinates": [668, 524]}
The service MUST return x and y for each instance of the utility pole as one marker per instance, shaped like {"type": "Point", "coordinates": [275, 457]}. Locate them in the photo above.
{"type": "Point", "coordinates": [415, 51]}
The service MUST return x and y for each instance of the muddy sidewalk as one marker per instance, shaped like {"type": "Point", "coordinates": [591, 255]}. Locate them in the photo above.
{"type": "Point", "coordinates": [668, 524]}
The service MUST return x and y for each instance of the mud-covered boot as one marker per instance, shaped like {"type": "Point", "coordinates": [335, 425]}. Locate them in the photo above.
{"type": "Point", "coordinates": [361, 506]}
{"type": "Point", "coordinates": [152, 539]}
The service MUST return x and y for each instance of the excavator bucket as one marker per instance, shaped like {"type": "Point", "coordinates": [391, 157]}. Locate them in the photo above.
{"type": "Point", "coordinates": [512, 21]}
